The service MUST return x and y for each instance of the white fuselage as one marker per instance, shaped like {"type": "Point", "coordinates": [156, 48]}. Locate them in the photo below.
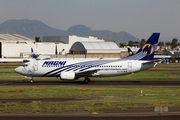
{"type": "Point", "coordinates": [81, 68]}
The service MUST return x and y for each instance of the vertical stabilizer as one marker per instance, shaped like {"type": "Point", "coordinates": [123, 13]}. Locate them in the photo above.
{"type": "Point", "coordinates": [146, 52]}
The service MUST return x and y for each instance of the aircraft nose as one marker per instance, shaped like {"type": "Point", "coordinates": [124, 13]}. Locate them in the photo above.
{"type": "Point", "coordinates": [17, 70]}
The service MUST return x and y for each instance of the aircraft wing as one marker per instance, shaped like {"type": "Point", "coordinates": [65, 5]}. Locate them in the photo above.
{"type": "Point", "coordinates": [87, 73]}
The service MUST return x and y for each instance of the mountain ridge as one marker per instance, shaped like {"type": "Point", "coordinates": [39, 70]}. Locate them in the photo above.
{"type": "Point", "coordinates": [33, 28]}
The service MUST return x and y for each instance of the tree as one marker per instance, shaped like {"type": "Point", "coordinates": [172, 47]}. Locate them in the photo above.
{"type": "Point", "coordinates": [122, 44]}
{"type": "Point", "coordinates": [37, 39]}
{"type": "Point", "coordinates": [168, 43]}
{"type": "Point", "coordinates": [174, 43]}
{"type": "Point", "coordinates": [142, 42]}
{"type": "Point", "coordinates": [161, 44]}
{"type": "Point", "coordinates": [130, 43]}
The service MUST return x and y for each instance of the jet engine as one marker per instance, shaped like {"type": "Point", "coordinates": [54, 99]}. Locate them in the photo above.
{"type": "Point", "coordinates": [67, 75]}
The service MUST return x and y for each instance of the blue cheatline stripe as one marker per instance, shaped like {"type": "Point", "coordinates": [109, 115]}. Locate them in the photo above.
{"type": "Point", "coordinates": [50, 72]}
{"type": "Point", "coordinates": [87, 63]}
{"type": "Point", "coordinates": [77, 69]}
{"type": "Point", "coordinates": [57, 72]}
{"type": "Point", "coordinates": [70, 69]}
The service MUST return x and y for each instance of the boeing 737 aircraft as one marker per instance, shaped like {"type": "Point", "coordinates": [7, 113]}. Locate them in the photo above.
{"type": "Point", "coordinates": [74, 69]}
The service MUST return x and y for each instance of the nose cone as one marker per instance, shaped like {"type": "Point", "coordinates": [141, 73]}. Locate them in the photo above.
{"type": "Point", "coordinates": [18, 70]}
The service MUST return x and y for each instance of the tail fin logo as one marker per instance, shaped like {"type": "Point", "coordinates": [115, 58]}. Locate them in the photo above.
{"type": "Point", "coordinates": [147, 49]}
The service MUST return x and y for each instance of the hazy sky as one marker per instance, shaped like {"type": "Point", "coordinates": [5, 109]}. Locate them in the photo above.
{"type": "Point", "coordinates": [138, 17]}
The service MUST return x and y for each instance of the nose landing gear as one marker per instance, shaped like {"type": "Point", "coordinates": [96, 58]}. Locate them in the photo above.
{"type": "Point", "coordinates": [30, 78]}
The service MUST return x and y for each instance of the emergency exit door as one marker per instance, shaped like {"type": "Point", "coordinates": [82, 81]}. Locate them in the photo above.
{"type": "Point", "coordinates": [129, 66]}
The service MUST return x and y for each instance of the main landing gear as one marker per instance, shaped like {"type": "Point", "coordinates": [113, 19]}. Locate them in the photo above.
{"type": "Point", "coordinates": [86, 80]}
{"type": "Point", "coordinates": [31, 80]}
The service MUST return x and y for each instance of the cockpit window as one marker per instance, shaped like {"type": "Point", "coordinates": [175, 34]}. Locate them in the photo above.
{"type": "Point", "coordinates": [24, 65]}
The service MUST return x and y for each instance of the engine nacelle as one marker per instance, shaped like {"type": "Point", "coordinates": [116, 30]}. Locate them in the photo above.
{"type": "Point", "coordinates": [67, 75]}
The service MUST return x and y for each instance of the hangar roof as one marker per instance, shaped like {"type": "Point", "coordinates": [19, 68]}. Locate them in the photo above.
{"type": "Point", "coordinates": [14, 37]}
{"type": "Point", "coordinates": [96, 47]}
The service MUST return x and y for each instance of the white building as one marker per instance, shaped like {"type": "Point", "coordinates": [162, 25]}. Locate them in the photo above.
{"type": "Point", "coordinates": [64, 43]}
{"type": "Point", "coordinates": [13, 45]}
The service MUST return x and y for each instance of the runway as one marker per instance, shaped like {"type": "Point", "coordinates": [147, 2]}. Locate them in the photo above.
{"type": "Point", "coordinates": [164, 83]}
{"type": "Point", "coordinates": [89, 117]}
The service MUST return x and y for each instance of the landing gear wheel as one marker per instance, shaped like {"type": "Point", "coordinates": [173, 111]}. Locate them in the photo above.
{"type": "Point", "coordinates": [31, 81]}
{"type": "Point", "coordinates": [86, 80]}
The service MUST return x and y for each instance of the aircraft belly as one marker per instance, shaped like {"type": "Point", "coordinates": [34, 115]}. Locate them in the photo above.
{"type": "Point", "coordinates": [38, 73]}
{"type": "Point", "coordinates": [107, 73]}
{"type": "Point", "coordinates": [41, 72]}
{"type": "Point", "coordinates": [147, 66]}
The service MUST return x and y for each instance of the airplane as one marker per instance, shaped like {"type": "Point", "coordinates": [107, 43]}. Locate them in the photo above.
{"type": "Point", "coordinates": [39, 56]}
{"type": "Point", "coordinates": [74, 69]}
{"type": "Point", "coordinates": [130, 52]}
{"type": "Point", "coordinates": [164, 58]}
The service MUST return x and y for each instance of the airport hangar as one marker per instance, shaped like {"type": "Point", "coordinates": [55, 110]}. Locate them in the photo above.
{"type": "Point", "coordinates": [18, 46]}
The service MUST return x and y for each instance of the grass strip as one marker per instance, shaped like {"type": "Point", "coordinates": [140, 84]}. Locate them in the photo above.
{"type": "Point", "coordinates": [109, 98]}
{"type": "Point", "coordinates": [79, 91]}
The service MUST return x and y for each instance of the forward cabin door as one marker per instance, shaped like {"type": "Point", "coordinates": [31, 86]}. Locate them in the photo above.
{"type": "Point", "coordinates": [35, 66]}
{"type": "Point", "coordinates": [129, 66]}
